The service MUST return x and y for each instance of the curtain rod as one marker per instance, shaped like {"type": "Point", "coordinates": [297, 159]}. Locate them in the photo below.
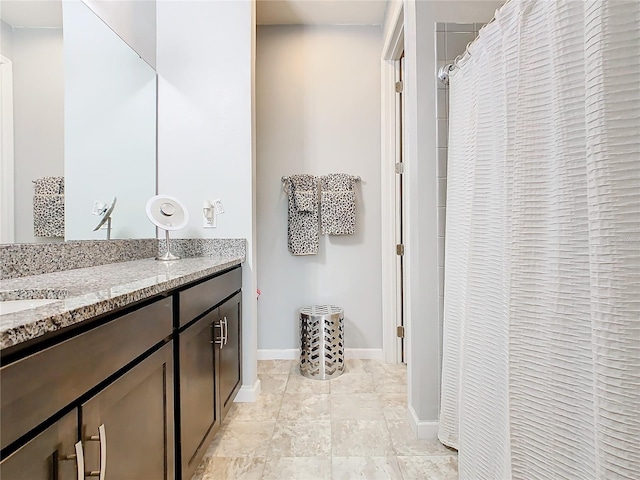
{"type": "Point", "coordinates": [444, 72]}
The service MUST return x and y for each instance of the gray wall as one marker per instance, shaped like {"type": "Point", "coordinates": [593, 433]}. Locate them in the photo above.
{"type": "Point", "coordinates": [423, 357]}
{"type": "Point", "coordinates": [6, 39]}
{"type": "Point", "coordinates": [38, 118]}
{"type": "Point", "coordinates": [318, 112]}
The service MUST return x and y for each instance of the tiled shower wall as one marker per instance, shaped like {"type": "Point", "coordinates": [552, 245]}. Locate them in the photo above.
{"type": "Point", "coordinates": [451, 41]}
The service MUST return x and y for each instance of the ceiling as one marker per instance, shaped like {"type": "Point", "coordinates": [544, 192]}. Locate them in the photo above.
{"type": "Point", "coordinates": [320, 12]}
{"type": "Point", "coordinates": [32, 13]}
{"type": "Point", "coordinates": [48, 13]}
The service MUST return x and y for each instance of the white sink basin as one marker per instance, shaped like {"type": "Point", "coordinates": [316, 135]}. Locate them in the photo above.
{"type": "Point", "coordinates": [12, 301]}
{"type": "Point", "coordinates": [12, 306]}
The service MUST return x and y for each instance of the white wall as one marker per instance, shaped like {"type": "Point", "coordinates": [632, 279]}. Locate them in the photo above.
{"type": "Point", "coordinates": [110, 127]}
{"type": "Point", "coordinates": [133, 20]}
{"type": "Point", "coordinates": [205, 134]}
{"type": "Point", "coordinates": [421, 182]}
{"type": "Point", "coordinates": [318, 112]}
{"type": "Point", "coordinates": [38, 117]}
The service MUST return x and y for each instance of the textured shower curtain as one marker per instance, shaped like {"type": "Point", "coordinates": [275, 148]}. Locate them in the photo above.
{"type": "Point", "coordinates": [541, 359]}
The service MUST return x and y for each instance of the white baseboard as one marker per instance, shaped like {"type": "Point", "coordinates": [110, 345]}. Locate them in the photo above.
{"type": "Point", "coordinates": [248, 393]}
{"type": "Point", "coordinates": [364, 354]}
{"type": "Point", "coordinates": [349, 353]}
{"type": "Point", "coordinates": [423, 430]}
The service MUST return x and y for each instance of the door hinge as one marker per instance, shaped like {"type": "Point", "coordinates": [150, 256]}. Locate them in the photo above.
{"type": "Point", "coordinates": [400, 168]}
{"type": "Point", "coordinates": [399, 86]}
{"type": "Point", "coordinates": [400, 249]}
{"type": "Point", "coordinates": [400, 331]}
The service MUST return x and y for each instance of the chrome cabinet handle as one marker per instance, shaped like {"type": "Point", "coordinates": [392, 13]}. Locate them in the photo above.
{"type": "Point", "coordinates": [226, 331]}
{"type": "Point", "coordinates": [220, 341]}
{"type": "Point", "coordinates": [102, 438]}
{"type": "Point", "coordinates": [79, 458]}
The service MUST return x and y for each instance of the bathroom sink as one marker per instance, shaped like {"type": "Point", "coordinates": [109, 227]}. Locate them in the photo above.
{"type": "Point", "coordinates": [12, 301]}
{"type": "Point", "coordinates": [12, 306]}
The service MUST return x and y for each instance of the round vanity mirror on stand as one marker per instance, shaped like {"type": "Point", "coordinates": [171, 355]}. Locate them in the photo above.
{"type": "Point", "coordinates": [167, 213]}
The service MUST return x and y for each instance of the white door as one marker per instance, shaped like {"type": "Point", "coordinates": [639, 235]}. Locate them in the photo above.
{"type": "Point", "coordinates": [399, 210]}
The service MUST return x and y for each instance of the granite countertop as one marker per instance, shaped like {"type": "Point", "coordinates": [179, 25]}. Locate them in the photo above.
{"type": "Point", "coordinates": [97, 290]}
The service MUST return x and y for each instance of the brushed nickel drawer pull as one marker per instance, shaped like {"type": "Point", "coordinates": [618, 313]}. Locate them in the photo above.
{"type": "Point", "coordinates": [220, 341]}
{"type": "Point", "coordinates": [102, 438]}
{"type": "Point", "coordinates": [78, 457]}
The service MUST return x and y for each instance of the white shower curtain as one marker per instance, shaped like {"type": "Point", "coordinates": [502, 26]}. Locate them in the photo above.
{"type": "Point", "coordinates": [541, 359]}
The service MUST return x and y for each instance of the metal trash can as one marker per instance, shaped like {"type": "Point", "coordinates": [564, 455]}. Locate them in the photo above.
{"type": "Point", "coordinates": [321, 341]}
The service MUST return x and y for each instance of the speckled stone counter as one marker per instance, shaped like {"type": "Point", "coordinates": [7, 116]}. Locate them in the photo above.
{"type": "Point", "coordinates": [97, 290]}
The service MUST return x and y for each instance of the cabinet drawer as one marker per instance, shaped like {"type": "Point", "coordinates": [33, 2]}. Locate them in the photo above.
{"type": "Point", "coordinates": [36, 387]}
{"type": "Point", "coordinates": [198, 299]}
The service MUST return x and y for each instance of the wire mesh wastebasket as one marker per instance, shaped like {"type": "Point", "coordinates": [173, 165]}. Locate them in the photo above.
{"type": "Point", "coordinates": [321, 341]}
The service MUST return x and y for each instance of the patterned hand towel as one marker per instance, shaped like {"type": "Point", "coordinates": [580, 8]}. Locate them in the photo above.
{"type": "Point", "coordinates": [302, 231]}
{"type": "Point", "coordinates": [306, 201]}
{"type": "Point", "coordinates": [338, 204]}
{"type": "Point", "coordinates": [48, 215]}
{"type": "Point", "coordinates": [49, 186]}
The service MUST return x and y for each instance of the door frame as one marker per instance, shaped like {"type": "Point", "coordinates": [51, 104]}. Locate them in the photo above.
{"type": "Point", "coordinates": [7, 204]}
{"type": "Point", "coordinates": [391, 52]}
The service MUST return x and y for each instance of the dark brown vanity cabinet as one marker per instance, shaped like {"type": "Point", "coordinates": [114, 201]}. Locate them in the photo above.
{"type": "Point", "coordinates": [137, 394]}
{"type": "Point", "coordinates": [230, 352]}
{"type": "Point", "coordinates": [111, 388]}
{"type": "Point", "coordinates": [45, 456]}
{"type": "Point", "coordinates": [199, 415]}
{"type": "Point", "coordinates": [209, 362]}
{"type": "Point", "coordinates": [128, 427]}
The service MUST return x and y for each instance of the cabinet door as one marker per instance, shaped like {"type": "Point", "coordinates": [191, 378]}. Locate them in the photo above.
{"type": "Point", "coordinates": [137, 413]}
{"type": "Point", "coordinates": [44, 457]}
{"type": "Point", "coordinates": [230, 352]}
{"type": "Point", "coordinates": [199, 419]}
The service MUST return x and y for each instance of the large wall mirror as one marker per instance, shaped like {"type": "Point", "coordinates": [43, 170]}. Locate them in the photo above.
{"type": "Point", "coordinates": [83, 108]}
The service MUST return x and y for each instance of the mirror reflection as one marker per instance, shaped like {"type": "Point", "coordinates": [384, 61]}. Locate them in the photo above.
{"type": "Point", "coordinates": [83, 121]}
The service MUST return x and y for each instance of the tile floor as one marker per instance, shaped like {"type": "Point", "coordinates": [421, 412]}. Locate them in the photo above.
{"type": "Point", "coordinates": [354, 426]}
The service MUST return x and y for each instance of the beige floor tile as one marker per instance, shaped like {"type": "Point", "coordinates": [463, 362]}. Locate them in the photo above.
{"type": "Point", "coordinates": [379, 367]}
{"type": "Point", "coordinates": [266, 407]}
{"type": "Point", "coordinates": [299, 384]}
{"type": "Point", "coordinates": [405, 442]}
{"type": "Point", "coordinates": [352, 383]}
{"type": "Point", "coordinates": [301, 438]}
{"type": "Point", "coordinates": [370, 468]}
{"type": "Point", "coordinates": [356, 366]}
{"type": "Point", "coordinates": [394, 406]}
{"type": "Point", "coordinates": [432, 468]}
{"type": "Point", "coordinates": [297, 468]}
{"type": "Point", "coordinates": [295, 367]}
{"type": "Point", "coordinates": [390, 381]}
{"type": "Point", "coordinates": [300, 406]}
{"type": "Point", "coordinates": [242, 439]}
{"type": "Point", "coordinates": [356, 406]}
{"type": "Point", "coordinates": [238, 468]}
{"type": "Point", "coordinates": [275, 366]}
{"type": "Point", "coordinates": [273, 383]}
{"type": "Point", "coordinates": [360, 438]}
{"type": "Point", "coordinates": [199, 473]}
